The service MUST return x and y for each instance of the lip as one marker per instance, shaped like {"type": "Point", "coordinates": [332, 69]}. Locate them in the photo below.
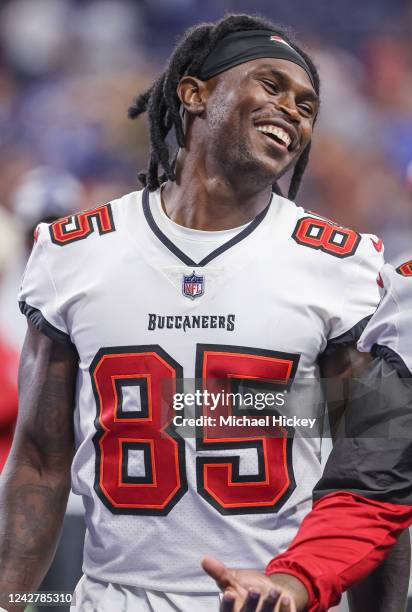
{"type": "Point", "coordinates": [289, 129]}
{"type": "Point", "coordinates": [273, 144]}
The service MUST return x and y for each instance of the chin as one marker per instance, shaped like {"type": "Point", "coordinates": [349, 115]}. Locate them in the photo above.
{"type": "Point", "coordinates": [273, 169]}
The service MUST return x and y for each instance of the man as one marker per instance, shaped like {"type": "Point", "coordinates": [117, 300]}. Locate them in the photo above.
{"type": "Point", "coordinates": [364, 498]}
{"type": "Point", "coordinates": [214, 277]}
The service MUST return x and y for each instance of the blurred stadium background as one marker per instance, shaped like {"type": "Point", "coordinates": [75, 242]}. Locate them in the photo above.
{"type": "Point", "coordinates": [68, 70]}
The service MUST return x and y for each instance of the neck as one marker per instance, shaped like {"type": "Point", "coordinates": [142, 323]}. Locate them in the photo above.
{"type": "Point", "coordinates": [205, 198]}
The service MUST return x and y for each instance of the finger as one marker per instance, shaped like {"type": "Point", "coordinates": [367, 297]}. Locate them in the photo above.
{"type": "Point", "coordinates": [228, 603]}
{"type": "Point", "coordinates": [286, 604]}
{"type": "Point", "coordinates": [270, 601]}
{"type": "Point", "coordinates": [218, 571]}
{"type": "Point", "coordinates": [251, 601]}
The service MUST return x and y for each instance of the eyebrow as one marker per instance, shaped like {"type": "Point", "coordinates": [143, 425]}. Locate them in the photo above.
{"type": "Point", "coordinates": [285, 79]}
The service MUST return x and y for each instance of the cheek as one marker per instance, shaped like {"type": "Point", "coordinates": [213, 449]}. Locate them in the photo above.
{"type": "Point", "coordinates": [221, 113]}
{"type": "Point", "coordinates": [307, 131]}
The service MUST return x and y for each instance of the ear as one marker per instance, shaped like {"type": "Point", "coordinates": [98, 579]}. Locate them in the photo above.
{"type": "Point", "coordinates": [193, 94]}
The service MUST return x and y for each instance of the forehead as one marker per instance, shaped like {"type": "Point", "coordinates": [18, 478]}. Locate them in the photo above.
{"type": "Point", "coordinates": [293, 75]}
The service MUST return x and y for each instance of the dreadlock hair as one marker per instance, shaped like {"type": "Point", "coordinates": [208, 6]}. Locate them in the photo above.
{"type": "Point", "coordinates": [163, 106]}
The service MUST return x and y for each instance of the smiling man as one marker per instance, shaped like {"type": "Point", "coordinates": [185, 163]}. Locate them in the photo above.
{"type": "Point", "coordinates": [207, 274]}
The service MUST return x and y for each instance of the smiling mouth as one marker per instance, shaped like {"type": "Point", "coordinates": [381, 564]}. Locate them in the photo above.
{"type": "Point", "coordinates": [276, 134]}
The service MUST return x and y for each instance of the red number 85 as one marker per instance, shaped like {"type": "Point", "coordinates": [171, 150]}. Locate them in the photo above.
{"type": "Point", "coordinates": [149, 431]}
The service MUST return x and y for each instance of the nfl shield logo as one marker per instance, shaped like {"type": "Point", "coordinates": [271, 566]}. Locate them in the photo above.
{"type": "Point", "coordinates": [193, 286]}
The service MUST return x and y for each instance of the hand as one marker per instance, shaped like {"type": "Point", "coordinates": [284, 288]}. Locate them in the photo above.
{"type": "Point", "coordinates": [250, 590]}
{"type": "Point", "coordinates": [274, 602]}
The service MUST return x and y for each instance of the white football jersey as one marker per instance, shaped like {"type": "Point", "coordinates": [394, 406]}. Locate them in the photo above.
{"type": "Point", "coordinates": [389, 334]}
{"type": "Point", "coordinates": [256, 309]}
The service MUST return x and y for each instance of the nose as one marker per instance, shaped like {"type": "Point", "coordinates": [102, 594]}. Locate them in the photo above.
{"type": "Point", "coordinates": [288, 107]}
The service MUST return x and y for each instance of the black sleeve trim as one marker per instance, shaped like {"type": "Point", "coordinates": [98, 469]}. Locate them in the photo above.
{"type": "Point", "coordinates": [384, 352]}
{"type": "Point", "coordinates": [349, 337]}
{"type": "Point", "coordinates": [40, 323]}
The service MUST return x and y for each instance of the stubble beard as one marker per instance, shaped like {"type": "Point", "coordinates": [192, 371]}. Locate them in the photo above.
{"type": "Point", "coordinates": [233, 149]}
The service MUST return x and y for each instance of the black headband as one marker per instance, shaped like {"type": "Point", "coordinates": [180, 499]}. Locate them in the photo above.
{"type": "Point", "coordinates": [245, 45]}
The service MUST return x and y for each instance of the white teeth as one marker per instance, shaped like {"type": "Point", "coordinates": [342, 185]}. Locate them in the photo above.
{"type": "Point", "coordinates": [276, 131]}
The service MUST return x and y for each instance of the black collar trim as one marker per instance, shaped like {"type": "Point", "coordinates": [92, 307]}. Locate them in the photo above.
{"type": "Point", "coordinates": [182, 256]}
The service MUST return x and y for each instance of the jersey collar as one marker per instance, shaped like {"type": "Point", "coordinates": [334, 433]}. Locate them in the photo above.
{"type": "Point", "coordinates": [216, 252]}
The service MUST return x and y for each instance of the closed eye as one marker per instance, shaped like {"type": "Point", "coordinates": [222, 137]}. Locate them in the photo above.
{"type": "Point", "coordinates": [306, 109]}
{"type": "Point", "coordinates": [271, 86]}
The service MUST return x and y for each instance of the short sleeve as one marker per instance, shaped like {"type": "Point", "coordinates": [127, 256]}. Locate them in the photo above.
{"type": "Point", "coordinates": [388, 334]}
{"type": "Point", "coordinates": [38, 298]}
{"type": "Point", "coordinates": [358, 293]}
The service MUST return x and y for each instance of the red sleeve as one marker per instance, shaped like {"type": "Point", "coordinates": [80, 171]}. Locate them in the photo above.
{"type": "Point", "coordinates": [340, 541]}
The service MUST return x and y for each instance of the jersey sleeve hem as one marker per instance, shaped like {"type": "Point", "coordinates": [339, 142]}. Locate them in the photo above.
{"type": "Point", "coordinates": [350, 336]}
{"type": "Point", "coordinates": [42, 325]}
{"type": "Point", "coordinates": [275, 567]}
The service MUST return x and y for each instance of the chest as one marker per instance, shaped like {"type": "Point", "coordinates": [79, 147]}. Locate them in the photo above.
{"type": "Point", "coordinates": [270, 299]}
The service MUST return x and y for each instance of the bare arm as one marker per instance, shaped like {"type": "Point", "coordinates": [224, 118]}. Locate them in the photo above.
{"type": "Point", "coordinates": [36, 480]}
{"type": "Point", "coordinates": [386, 588]}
